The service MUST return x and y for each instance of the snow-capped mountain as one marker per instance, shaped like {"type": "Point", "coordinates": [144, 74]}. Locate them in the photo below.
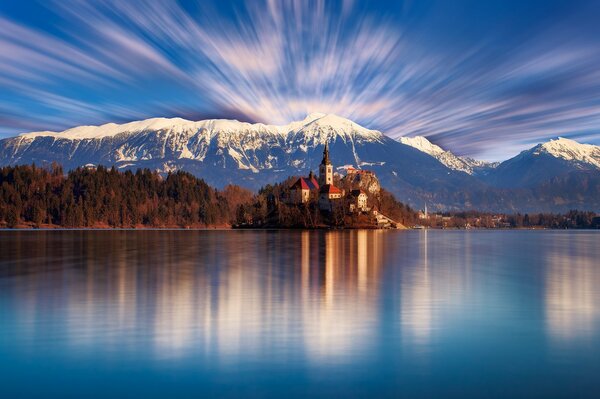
{"type": "Point", "coordinates": [570, 150]}
{"type": "Point", "coordinates": [545, 161]}
{"type": "Point", "coordinates": [224, 142]}
{"type": "Point", "coordinates": [463, 164]}
{"type": "Point", "coordinates": [253, 155]}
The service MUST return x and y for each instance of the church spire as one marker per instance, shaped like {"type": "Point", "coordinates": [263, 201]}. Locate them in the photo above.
{"type": "Point", "coordinates": [326, 168]}
{"type": "Point", "coordinates": [326, 160]}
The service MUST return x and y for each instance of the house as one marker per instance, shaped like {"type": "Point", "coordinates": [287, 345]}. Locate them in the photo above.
{"type": "Point", "coordinates": [358, 201]}
{"type": "Point", "coordinates": [300, 191]}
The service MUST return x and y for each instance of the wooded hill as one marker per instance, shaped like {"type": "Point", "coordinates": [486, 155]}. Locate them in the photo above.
{"type": "Point", "coordinates": [102, 197]}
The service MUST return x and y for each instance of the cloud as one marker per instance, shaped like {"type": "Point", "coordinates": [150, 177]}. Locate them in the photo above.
{"type": "Point", "coordinates": [274, 61]}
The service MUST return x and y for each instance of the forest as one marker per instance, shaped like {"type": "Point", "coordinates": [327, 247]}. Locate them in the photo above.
{"type": "Point", "coordinates": [31, 196]}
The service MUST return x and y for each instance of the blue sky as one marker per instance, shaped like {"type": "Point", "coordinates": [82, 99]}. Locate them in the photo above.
{"type": "Point", "coordinates": [482, 78]}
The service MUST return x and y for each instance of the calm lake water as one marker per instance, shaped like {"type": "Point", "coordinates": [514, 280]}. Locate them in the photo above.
{"type": "Point", "coordinates": [292, 313]}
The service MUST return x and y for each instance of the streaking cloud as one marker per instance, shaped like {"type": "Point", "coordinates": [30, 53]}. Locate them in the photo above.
{"type": "Point", "coordinates": [405, 69]}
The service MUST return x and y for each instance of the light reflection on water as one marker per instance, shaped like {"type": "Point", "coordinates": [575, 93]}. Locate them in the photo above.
{"type": "Point", "coordinates": [572, 300]}
{"type": "Point", "coordinates": [350, 312]}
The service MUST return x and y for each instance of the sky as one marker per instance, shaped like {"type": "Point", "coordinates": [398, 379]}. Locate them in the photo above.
{"type": "Point", "coordinates": [485, 79]}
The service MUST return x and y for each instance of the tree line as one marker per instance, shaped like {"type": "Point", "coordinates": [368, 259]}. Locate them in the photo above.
{"type": "Point", "coordinates": [103, 197]}
{"type": "Point", "coordinates": [32, 196]}
{"type": "Point", "coordinates": [574, 219]}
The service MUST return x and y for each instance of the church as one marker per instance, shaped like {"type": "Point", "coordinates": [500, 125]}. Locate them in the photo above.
{"type": "Point", "coordinates": [308, 188]}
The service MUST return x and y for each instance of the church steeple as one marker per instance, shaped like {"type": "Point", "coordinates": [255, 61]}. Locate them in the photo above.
{"type": "Point", "coordinates": [325, 169]}
{"type": "Point", "coordinates": [326, 160]}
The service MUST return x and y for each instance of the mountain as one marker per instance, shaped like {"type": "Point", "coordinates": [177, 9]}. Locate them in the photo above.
{"type": "Point", "coordinates": [251, 155]}
{"type": "Point", "coordinates": [546, 161]}
{"type": "Point", "coordinates": [463, 164]}
{"type": "Point", "coordinates": [254, 155]}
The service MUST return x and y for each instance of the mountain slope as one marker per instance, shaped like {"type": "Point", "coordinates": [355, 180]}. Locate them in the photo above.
{"type": "Point", "coordinates": [464, 164]}
{"type": "Point", "coordinates": [546, 161]}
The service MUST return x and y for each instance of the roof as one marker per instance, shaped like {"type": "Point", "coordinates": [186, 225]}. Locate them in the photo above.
{"type": "Point", "coordinates": [306, 183]}
{"type": "Point", "coordinates": [351, 170]}
{"type": "Point", "coordinates": [356, 193]}
{"type": "Point", "coordinates": [330, 189]}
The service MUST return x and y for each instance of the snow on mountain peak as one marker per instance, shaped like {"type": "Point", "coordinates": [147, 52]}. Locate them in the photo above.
{"type": "Point", "coordinates": [315, 123]}
{"type": "Point", "coordinates": [467, 165]}
{"type": "Point", "coordinates": [329, 127]}
{"type": "Point", "coordinates": [422, 144]}
{"type": "Point", "coordinates": [570, 150]}
{"type": "Point", "coordinates": [313, 116]}
{"type": "Point", "coordinates": [112, 129]}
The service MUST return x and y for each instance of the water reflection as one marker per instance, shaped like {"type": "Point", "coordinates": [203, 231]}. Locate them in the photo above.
{"type": "Point", "coordinates": [340, 317]}
{"type": "Point", "coordinates": [572, 290]}
{"type": "Point", "coordinates": [194, 293]}
{"type": "Point", "coordinates": [417, 298]}
{"type": "Point", "coordinates": [387, 307]}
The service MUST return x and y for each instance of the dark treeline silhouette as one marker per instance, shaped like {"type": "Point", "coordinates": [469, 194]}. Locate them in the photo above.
{"type": "Point", "coordinates": [101, 197]}
{"type": "Point", "coordinates": [573, 219]}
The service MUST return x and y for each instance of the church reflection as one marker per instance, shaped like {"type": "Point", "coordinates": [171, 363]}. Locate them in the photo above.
{"type": "Point", "coordinates": [341, 315]}
{"type": "Point", "coordinates": [314, 292]}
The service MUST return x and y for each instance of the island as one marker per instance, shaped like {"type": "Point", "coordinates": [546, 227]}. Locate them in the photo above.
{"type": "Point", "coordinates": [329, 200]}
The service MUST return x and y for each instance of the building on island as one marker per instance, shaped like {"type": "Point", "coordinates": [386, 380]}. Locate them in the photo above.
{"type": "Point", "coordinates": [329, 194]}
{"type": "Point", "coordinates": [351, 197]}
{"type": "Point", "coordinates": [329, 197]}
{"type": "Point", "coordinates": [326, 168]}
{"type": "Point", "coordinates": [358, 201]}
{"type": "Point", "coordinates": [363, 179]}
{"type": "Point", "coordinates": [304, 189]}
{"type": "Point", "coordinates": [353, 171]}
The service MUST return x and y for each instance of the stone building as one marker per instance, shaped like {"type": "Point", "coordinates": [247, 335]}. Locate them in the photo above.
{"type": "Point", "coordinates": [358, 201]}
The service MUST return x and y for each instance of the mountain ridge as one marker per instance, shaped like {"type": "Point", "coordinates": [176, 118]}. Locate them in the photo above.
{"type": "Point", "coordinates": [464, 164]}
{"type": "Point", "coordinates": [220, 125]}
{"type": "Point", "coordinates": [545, 161]}
{"type": "Point", "coordinates": [253, 155]}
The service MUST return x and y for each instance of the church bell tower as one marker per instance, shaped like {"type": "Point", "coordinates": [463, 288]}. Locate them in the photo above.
{"type": "Point", "coordinates": [326, 168]}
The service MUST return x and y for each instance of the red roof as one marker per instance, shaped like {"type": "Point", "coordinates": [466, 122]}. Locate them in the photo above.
{"type": "Point", "coordinates": [358, 171]}
{"type": "Point", "coordinates": [306, 184]}
{"type": "Point", "coordinates": [330, 189]}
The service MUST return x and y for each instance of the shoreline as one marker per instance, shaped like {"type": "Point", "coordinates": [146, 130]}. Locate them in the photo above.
{"type": "Point", "coordinates": [230, 228]}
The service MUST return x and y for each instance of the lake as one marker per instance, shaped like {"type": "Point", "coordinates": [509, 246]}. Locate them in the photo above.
{"type": "Point", "coordinates": [296, 313]}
